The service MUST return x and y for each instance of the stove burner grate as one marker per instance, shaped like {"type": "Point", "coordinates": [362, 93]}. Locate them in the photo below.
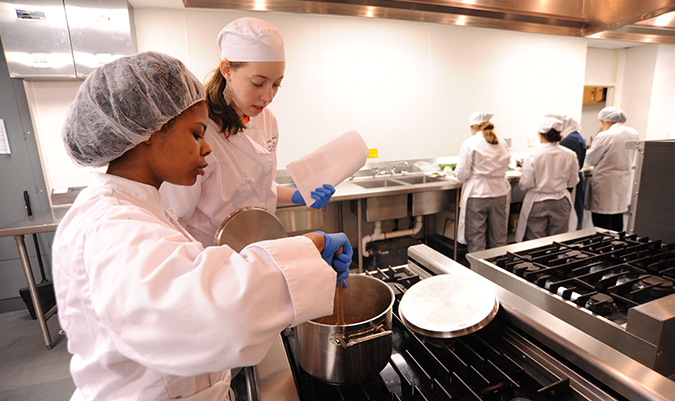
{"type": "Point", "coordinates": [605, 273]}
{"type": "Point", "coordinates": [480, 366]}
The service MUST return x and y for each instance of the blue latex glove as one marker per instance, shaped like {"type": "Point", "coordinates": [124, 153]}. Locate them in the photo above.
{"type": "Point", "coordinates": [339, 262]}
{"type": "Point", "coordinates": [321, 195]}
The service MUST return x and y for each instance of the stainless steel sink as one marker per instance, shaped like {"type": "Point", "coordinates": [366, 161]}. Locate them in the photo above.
{"type": "Point", "coordinates": [379, 183]}
{"type": "Point", "coordinates": [418, 179]}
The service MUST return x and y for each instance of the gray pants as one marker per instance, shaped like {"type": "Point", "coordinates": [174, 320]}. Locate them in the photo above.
{"type": "Point", "coordinates": [548, 217]}
{"type": "Point", "coordinates": [485, 224]}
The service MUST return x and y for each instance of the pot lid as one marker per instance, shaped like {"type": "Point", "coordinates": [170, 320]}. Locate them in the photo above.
{"type": "Point", "coordinates": [448, 305]}
{"type": "Point", "coordinates": [247, 225]}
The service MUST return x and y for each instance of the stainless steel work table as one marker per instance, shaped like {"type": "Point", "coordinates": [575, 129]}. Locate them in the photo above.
{"type": "Point", "coordinates": [38, 223]}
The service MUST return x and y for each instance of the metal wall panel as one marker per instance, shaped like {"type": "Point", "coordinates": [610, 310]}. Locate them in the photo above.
{"type": "Point", "coordinates": [100, 32]}
{"type": "Point", "coordinates": [654, 211]}
{"type": "Point", "coordinates": [58, 39]}
{"type": "Point", "coordinates": [35, 38]}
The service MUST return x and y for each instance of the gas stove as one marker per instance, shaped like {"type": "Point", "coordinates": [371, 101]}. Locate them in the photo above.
{"type": "Point", "coordinates": [495, 363]}
{"type": "Point", "coordinates": [615, 287]}
{"type": "Point", "coordinates": [525, 353]}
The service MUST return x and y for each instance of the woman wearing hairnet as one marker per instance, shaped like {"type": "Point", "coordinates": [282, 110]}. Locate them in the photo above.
{"type": "Point", "coordinates": [482, 164]}
{"type": "Point", "coordinates": [573, 141]}
{"type": "Point", "coordinates": [547, 173]}
{"type": "Point", "coordinates": [243, 134]}
{"type": "Point", "coordinates": [610, 185]}
{"type": "Point", "coordinates": [151, 314]}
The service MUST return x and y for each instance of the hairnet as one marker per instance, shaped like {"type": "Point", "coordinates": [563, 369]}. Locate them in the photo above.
{"type": "Point", "coordinates": [548, 123]}
{"type": "Point", "coordinates": [479, 117]}
{"type": "Point", "coordinates": [569, 125]}
{"type": "Point", "coordinates": [612, 115]}
{"type": "Point", "coordinates": [122, 103]}
{"type": "Point", "coordinates": [251, 39]}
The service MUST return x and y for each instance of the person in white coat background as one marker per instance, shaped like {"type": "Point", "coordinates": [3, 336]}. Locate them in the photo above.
{"type": "Point", "coordinates": [573, 141]}
{"type": "Point", "coordinates": [149, 313]}
{"type": "Point", "coordinates": [482, 164]}
{"type": "Point", "coordinates": [243, 134]}
{"type": "Point", "coordinates": [547, 173]}
{"type": "Point", "coordinates": [612, 163]}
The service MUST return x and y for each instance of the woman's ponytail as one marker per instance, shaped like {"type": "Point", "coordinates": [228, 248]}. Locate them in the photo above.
{"type": "Point", "coordinates": [488, 132]}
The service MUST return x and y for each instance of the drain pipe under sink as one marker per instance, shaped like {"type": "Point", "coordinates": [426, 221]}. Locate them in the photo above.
{"type": "Point", "coordinates": [378, 235]}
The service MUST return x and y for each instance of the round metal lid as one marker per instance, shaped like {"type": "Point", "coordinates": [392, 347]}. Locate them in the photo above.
{"type": "Point", "coordinates": [448, 305]}
{"type": "Point", "coordinates": [247, 225]}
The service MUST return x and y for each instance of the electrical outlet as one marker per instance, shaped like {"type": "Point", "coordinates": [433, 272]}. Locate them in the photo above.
{"type": "Point", "coordinates": [530, 142]}
{"type": "Point", "coordinates": [508, 142]}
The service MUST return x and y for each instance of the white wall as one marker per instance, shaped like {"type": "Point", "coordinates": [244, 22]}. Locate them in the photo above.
{"type": "Point", "coordinates": [407, 87]}
{"type": "Point", "coordinates": [599, 67]}
{"type": "Point", "coordinates": [600, 71]}
{"type": "Point", "coordinates": [661, 123]}
{"type": "Point", "coordinates": [638, 80]}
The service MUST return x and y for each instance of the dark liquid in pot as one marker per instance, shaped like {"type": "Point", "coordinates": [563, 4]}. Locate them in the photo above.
{"type": "Point", "coordinates": [332, 319]}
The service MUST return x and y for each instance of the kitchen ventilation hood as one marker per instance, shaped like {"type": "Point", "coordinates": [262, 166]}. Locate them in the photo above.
{"type": "Point", "coordinates": [650, 21]}
{"type": "Point", "coordinates": [57, 39]}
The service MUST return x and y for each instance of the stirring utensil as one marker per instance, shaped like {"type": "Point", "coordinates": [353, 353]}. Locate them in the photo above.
{"type": "Point", "coordinates": [339, 305]}
{"type": "Point", "coordinates": [339, 299]}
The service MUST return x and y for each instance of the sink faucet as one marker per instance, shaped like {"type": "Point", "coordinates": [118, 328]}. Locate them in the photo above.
{"type": "Point", "coordinates": [404, 170]}
{"type": "Point", "coordinates": [391, 169]}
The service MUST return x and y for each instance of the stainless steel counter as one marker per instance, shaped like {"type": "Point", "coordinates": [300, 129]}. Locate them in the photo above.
{"type": "Point", "coordinates": [38, 223]}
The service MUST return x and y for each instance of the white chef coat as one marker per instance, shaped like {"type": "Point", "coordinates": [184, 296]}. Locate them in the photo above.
{"type": "Point", "coordinates": [241, 172]}
{"type": "Point", "coordinates": [482, 168]}
{"type": "Point", "coordinates": [150, 314]}
{"type": "Point", "coordinates": [546, 175]}
{"type": "Point", "coordinates": [611, 181]}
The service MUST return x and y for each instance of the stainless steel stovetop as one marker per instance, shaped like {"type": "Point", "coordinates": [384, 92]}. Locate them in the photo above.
{"type": "Point", "coordinates": [629, 343]}
{"type": "Point", "coordinates": [577, 365]}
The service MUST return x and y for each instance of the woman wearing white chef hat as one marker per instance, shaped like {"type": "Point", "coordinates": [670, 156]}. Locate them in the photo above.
{"type": "Point", "coordinates": [243, 134]}
{"type": "Point", "coordinates": [546, 175]}
{"type": "Point", "coordinates": [610, 186]}
{"type": "Point", "coordinates": [482, 164]}
{"type": "Point", "coordinates": [573, 141]}
{"type": "Point", "coordinates": [150, 314]}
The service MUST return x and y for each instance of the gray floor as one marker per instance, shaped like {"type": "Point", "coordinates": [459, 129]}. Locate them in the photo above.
{"type": "Point", "coordinates": [28, 370]}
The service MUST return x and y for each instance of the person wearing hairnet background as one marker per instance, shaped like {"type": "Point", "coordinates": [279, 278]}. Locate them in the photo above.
{"type": "Point", "coordinates": [612, 163]}
{"type": "Point", "coordinates": [243, 134]}
{"type": "Point", "coordinates": [573, 141]}
{"type": "Point", "coordinates": [546, 176]}
{"type": "Point", "coordinates": [149, 313]}
{"type": "Point", "coordinates": [481, 166]}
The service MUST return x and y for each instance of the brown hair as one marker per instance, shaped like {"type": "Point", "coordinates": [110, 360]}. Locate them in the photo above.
{"type": "Point", "coordinates": [488, 132]}
{"type": "Point", "coordinates": [223, 114]}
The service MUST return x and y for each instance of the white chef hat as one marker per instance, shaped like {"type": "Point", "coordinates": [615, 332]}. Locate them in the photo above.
{"type": "Point", "coordinates": [480, 117]}
{"type": "Point", "coordinates": [548, 123]}
{"type": "Point", "coordinates": [612, 114]}
{"type": "Point", "coordinates": [569, 124]}
{"type": "Point", "coordinates": [251, 39]}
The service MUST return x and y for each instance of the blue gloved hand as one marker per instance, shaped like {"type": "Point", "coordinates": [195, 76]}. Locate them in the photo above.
{"type": "Point", "coordinates": [339, 262]}
{"type": "Point", "coordinates": [321, 195]}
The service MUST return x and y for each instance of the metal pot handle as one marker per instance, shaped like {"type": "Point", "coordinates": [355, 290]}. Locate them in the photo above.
{"type": "Point", "coordinates": [348, 341]}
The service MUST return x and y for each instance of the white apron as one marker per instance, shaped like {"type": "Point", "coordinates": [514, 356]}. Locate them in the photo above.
{"type": "Point", "coordinates": [525, 210]}
{"type": "Point", "coordinates": [467, 188]}
{"type": "Point", "coordinates": [481, 167]}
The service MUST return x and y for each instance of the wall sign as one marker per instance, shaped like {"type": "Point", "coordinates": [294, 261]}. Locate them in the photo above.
{"type": "Point", "coordinates": [4, 143]}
